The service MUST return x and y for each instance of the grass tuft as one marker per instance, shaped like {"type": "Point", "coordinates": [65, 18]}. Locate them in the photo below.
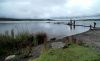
{"type": "Point", "coordinates": [20, 44]}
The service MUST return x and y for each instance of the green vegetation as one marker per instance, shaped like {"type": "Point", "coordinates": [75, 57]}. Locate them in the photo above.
{"type": "Point", "coordinates": [10, 44]}
{"type": "Point", "coordinates": [20, 44]}
{"type": "Point", "coordinates": [73, 53]}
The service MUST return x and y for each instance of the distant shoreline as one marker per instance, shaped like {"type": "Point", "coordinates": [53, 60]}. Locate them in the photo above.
{"type": "Point", "coordinates": [14, 19]}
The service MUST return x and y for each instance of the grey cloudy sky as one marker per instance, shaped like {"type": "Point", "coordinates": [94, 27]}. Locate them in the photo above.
{"type": "Point", "coordinates": [48, 8]}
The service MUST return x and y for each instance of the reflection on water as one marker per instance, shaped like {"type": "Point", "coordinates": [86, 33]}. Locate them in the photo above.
{"type": "Point", "coordinates": [53, 30]}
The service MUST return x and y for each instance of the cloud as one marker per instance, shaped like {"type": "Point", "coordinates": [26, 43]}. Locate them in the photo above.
{"type": "Point", "coordinates": [48, 8]}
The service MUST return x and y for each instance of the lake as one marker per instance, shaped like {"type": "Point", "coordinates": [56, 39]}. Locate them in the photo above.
{"type": "Point", "coordinates": [52, 30]}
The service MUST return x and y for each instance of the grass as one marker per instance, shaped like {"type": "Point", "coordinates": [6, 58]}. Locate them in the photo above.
{"type": "Point", "coordinates": [10, 43]}
{"type": "Point", "coordinates": [20, 44]}
{"type": "Point", "coordinates": [73, 53]}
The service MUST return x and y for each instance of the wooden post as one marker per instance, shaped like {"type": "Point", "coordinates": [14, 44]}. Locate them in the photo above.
{"type": "Point", "coordinates": [71, 22]}
{"type": "Point", "coordinates": [94, 24]}
{"type": "Point", "coordinates": [74, 23]}
{"type": "Point", "coordinates": [90, 27]}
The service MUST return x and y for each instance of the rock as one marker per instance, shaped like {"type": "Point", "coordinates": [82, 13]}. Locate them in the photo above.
{"type": "Point", "coordinates": [66, 46]}
{"type": "Point", "coordinates": [57, 45]}
{"type": "Point", "coordinates": [9, 57]}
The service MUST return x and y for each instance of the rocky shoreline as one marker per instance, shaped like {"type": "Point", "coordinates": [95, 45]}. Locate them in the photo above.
{"type": "Point", "coordinates": [90, 38]}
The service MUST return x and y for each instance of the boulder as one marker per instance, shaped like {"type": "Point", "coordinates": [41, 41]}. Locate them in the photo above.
{"type": "Point", "coordinates": [10, 57]}
{"type": "Point", "coordinates": [57, 45]}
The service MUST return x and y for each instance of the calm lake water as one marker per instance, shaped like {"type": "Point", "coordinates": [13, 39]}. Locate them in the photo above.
{"type": "Point", "coordinates": [52, 30]}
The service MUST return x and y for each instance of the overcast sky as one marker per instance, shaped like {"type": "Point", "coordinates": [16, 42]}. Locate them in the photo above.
{"type": "Point", "coordinates": [48, 8]}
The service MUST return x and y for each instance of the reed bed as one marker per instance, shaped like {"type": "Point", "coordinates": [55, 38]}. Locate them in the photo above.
{"type": "Point", "coordinates": [20, 44]}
